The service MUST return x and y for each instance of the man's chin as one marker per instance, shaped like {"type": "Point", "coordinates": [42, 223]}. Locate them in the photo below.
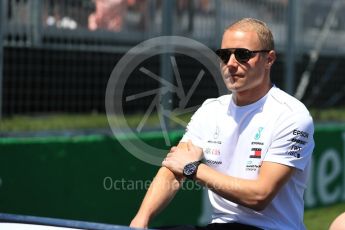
{"type": "Point", "coordinates": [235, 88]}
{"type": "Point", "coordinates": [232, 89]}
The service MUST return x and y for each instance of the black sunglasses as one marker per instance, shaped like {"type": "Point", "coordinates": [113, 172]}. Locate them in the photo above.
{"type": "Point", "coordinates": [242, 55]}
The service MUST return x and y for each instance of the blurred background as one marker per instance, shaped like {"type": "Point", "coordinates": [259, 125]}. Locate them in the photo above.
{"type": "Point", "coordinates": [57, 152]}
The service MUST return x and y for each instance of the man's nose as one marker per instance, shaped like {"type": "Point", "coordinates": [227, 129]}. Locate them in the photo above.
{"type": "Point", "coordinates": [232, 60]}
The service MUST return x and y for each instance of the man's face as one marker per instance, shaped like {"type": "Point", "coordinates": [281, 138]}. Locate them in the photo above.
{"type": "Point", "coordinates": [251, 75]}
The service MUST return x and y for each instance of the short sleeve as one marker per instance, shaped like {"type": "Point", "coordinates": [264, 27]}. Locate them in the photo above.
{"type": "Point", "coordinates": [196, 127]}
{"type": "Point", "coordinates": [292, 141]}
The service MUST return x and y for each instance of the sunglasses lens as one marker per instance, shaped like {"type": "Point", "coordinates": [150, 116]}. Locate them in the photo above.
{"type": "Point", "coordinates": [242, 55]}
{"type": "Point", "coordinates": [224, 55]}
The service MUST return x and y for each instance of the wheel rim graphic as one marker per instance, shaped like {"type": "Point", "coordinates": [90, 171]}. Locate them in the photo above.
{"type": "Point", "coordinates": [114, 92]}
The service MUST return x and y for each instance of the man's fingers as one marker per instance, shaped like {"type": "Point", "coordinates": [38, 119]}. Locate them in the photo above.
{"type": "Point", "coordinates": [173, 149]}
{"type": "Point", "coordinates": [189, 145]}
{"type": "Point", "coordinates": [194, 149]}
{"type": "Point", "coordinates": [165, 162]}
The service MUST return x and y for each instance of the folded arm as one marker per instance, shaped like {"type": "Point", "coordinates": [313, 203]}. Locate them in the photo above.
{"type": "Point", "coordinates": [255, 194]}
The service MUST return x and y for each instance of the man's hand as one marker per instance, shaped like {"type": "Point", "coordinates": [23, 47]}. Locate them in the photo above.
{"type": "Point", "coordinates": [177, 158]}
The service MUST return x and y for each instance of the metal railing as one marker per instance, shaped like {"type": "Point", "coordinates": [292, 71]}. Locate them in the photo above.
{"type": "Point", "coordinates": [114, 27]}
{"type": "Point", "coordinates": [125, 22]}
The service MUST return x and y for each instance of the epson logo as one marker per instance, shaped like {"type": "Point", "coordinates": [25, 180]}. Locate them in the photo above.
{"type": "Point", "coordinates": [297, 132]}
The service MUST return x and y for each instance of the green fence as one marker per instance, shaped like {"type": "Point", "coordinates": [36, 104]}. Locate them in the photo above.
{"type": "Point", "coordinates": [327, 182]}
{"type": "Point", "coordinates": [83, 178]}
{"type": "Point", "coordinates": [94, 178]}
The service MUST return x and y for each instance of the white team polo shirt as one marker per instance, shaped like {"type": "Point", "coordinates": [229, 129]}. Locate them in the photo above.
{"type": "Point", "coordinates": [237, 139]}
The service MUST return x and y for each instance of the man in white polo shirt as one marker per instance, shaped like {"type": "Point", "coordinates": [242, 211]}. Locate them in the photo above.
{"type": "Point", "coordinates": [256, 144]}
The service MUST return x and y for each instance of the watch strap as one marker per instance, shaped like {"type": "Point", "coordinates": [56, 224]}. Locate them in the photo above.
{"type": "Point", "coordinates": [196, 164]}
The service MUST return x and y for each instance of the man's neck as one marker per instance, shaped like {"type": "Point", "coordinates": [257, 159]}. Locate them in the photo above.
{"type": "Point", "coordinates": [251, 96]}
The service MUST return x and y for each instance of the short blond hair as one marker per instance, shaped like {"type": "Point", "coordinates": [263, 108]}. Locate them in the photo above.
{"type": "Point", "coordinates": [262, 30]}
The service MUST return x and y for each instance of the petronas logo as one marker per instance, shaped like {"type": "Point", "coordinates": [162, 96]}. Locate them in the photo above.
{"type": "Point", "coordinates": [258, 134]}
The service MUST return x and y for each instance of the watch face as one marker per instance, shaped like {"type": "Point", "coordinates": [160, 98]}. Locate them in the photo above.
{"type": "Point", "coordinates": [189, 169]}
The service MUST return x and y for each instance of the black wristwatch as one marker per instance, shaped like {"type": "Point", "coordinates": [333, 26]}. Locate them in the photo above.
{"type": "Point", "coordinates": [190, 169]}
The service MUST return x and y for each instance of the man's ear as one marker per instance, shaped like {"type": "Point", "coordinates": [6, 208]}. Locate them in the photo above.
{"type": "Point", "coordinates": [271, 57]}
